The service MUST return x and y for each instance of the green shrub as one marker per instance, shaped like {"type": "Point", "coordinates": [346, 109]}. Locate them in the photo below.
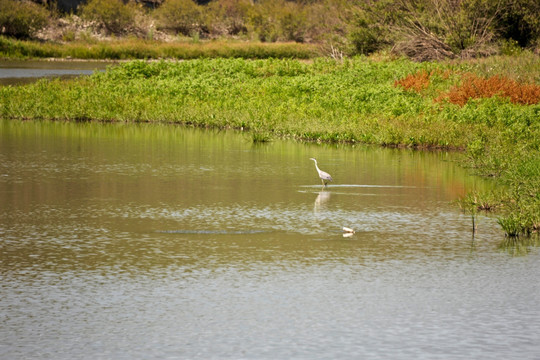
{"type": "Point", "coordinates": [229, 17]}
{"type": "Point", "coordinates": [21, 19]}
{"type": "Point", "coordinates": [279, 20]}
{"type": "Point", "coordinates": [264, 22]}
{"type": "Point", "coordinates": [366, 35]}
{"type": "Point", "coordinates": [68, 35]}
{"type": "Point", "coordinates": [520, 22]}
{"type": "Point", "coordinates": [114, 15]}
{"type": "Point", "coordinates": [179, 16]}
{"type": "Point", "coordinates": [510, 47]}
{"type": "Point", "coordinates": [364, 41]}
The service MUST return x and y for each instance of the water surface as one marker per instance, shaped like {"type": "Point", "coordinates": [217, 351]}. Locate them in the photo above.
{"type": "Point", "coordinates": [153, 241]}
{"type": "Point", "coordinates": [17, 72]}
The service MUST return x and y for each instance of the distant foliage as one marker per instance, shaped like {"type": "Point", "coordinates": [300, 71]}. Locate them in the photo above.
{"type": "Point", "coordinates": [179, 16]}
{"type": "Point", "coordinates": [229, 17]}
{"type": "Point", "coordinates": [114, 15]}
{"type": "Point", "coordinates": [21, 19]}
{"type": "Point", "coordinates": [423, 30]}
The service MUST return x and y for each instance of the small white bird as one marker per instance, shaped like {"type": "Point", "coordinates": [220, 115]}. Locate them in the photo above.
{"type": "Point", "coordinates": [325, 177]}
{"type": "Point", "coordinates": [347, 232]}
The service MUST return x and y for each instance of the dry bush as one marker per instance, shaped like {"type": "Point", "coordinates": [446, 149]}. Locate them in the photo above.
{"type": "Point", "coordinates": [415, 82]}
{"type": "Point", "coordinates": [423, 46]}
{"type": "Point", "coordinates": [444, 29]}
{"type": "Point", "coordinates": [474, 87]}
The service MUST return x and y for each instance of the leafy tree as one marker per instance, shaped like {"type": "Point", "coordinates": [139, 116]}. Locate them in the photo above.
{"type": "Point", "coordinates": [366, 36]}
{"type": "Point", "coordinates": [520, 21]}
{"type": "Point", "coordinates": [231, 17]}
{"type": "Point", "coordinates": [21, 19]}
{"type": "Point", "coordinates": [114, 15]}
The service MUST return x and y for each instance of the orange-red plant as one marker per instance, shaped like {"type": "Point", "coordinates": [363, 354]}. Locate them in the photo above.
{"type": "Point", "coordinates": [416, 82]}
{"type": "Point", "coordinates": [474, 87]}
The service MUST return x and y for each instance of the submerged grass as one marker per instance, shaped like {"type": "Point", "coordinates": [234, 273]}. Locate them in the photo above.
{"type": "Point", "coordinates": [356, 100]}
{"type": "Point", "coordinates": [516, 246]}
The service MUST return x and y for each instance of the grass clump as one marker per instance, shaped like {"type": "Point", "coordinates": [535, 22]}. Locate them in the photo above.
{"type": "Point", "coordinates": [259, 137]}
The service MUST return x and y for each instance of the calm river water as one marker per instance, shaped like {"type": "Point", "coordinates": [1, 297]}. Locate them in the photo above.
{"type": "Point", "coordinates": [153, 241]}
{"type": "Point", "coordinates": [16, 72]}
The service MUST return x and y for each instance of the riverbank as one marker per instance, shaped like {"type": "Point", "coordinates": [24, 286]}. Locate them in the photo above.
{"type": "Point", "coordinates": [385, 102]}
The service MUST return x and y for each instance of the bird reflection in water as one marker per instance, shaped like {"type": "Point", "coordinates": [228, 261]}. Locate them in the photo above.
{"type": "Point", "coordinates": [321, 200]}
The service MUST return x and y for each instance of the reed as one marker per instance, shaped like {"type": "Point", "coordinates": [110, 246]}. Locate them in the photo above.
{"type": "Point", "coordinates": [133, 48]}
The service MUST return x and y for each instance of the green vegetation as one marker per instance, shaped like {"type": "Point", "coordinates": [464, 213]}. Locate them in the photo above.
{"type": "Point", "coordinates": [390, 102]}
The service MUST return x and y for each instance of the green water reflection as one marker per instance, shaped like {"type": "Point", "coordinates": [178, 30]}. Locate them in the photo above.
{"type": "Point", "coordinates": [105, 196]}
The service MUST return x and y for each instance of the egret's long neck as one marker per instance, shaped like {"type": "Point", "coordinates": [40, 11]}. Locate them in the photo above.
{"type": "Point", "coordinates": [316, 167]}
